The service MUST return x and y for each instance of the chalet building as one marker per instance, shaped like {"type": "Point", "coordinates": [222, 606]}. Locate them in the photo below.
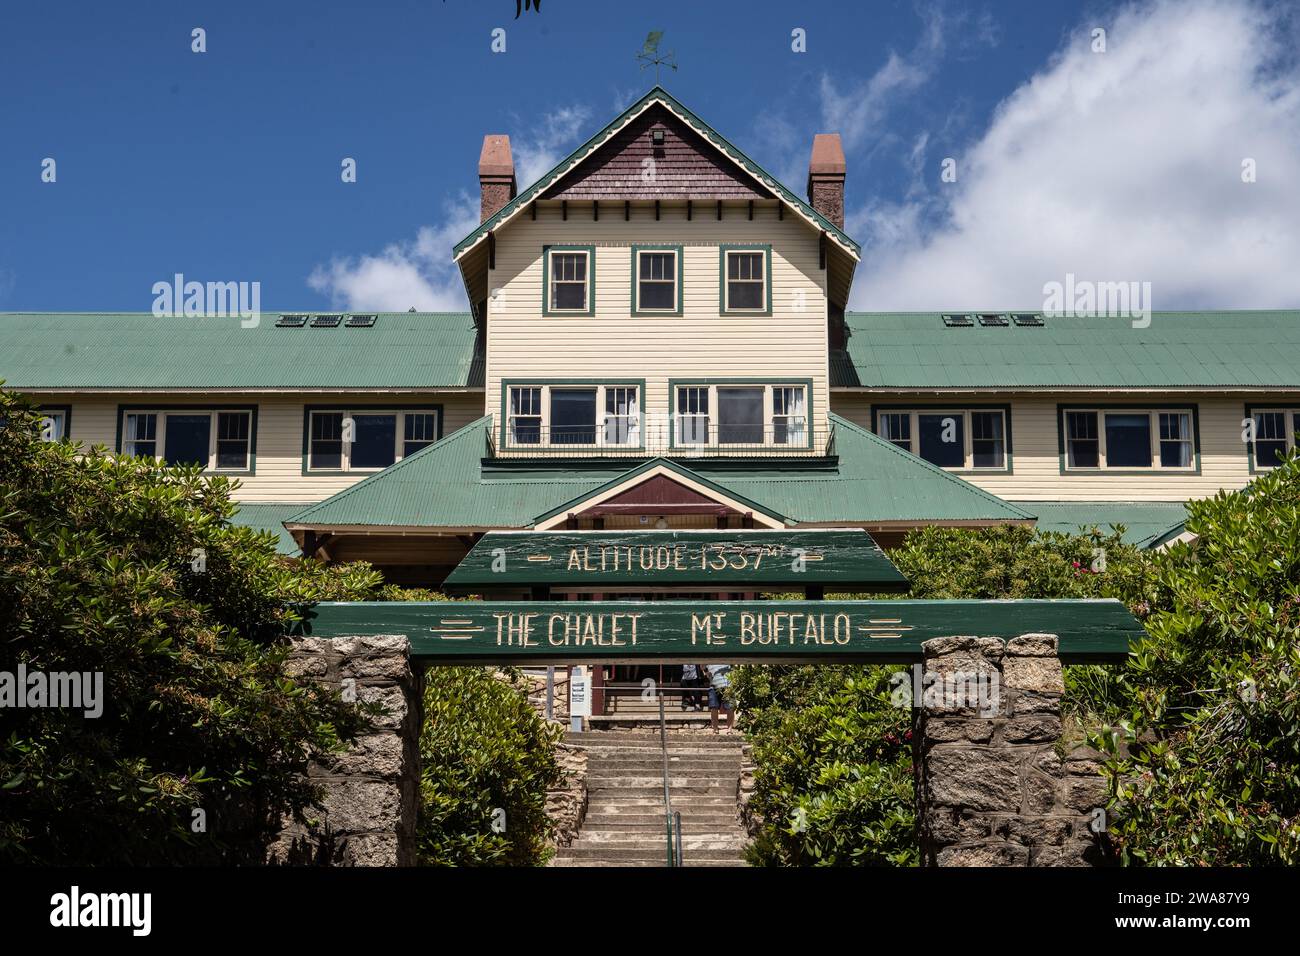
{"type": "Point", "coordinates": [659, 338]}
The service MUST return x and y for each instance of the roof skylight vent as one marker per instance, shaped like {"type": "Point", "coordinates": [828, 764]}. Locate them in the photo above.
{"type": "Point", "coordinates": [360, 321]}
{"type": "Point", "coordinates": [992, 319]}
{"type": "Point", "coordinates": [291, 322]}
{"type": "Point", "coordinates": [326, 321]}
{"type": "Point", "coordinates": [1028, 320]}
{"type": "Point", "coordinates": [958, 320]}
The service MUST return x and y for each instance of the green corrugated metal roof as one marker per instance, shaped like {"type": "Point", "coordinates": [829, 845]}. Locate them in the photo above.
{"type": "Point", "coordinates": [133, 350]}
{"type": "Point", "coordinates": [657, 94]}
{"type": "Point", "coordinates": [1146, 523]}
{"type": "Point", "coordinates": [262, 517]}
{"type": "Point", "coordinates": [1178, 350]}
{"type": "Point", "coordinates": [445, 485]}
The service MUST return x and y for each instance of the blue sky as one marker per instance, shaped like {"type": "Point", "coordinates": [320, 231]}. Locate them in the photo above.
{"type": "Point", "coordinates": [225, 165]}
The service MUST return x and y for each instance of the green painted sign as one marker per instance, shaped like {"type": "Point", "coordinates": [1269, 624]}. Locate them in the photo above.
{"type": "Point", "coordinates": [522, 632]}
{"type": "Point", "coordinates": [596, 560]}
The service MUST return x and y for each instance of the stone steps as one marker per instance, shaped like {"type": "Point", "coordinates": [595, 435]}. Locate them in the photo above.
{"type": "Point", "coordinates": [625, 823]}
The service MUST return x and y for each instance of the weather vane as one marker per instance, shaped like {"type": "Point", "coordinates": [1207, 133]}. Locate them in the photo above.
{"type": "Point", "coordinates": [650, 54]}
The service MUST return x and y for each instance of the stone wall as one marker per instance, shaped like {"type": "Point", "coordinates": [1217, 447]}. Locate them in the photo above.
{"type": "Point", "coordinates": [371, 791]}
{"type": "Point", "coordinates": [993, 787]}
{"type": "Point", "coordinates": [566, 804]}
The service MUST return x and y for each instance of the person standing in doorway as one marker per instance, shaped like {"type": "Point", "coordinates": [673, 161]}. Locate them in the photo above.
{"type": "Point", "coordinates": [719, 681]}
{"type": "Point", "coordinates": [693, 681]}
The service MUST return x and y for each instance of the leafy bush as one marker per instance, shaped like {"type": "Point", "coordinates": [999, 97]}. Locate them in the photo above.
{"type": "Point", "coordinates": [833, 777]}
{"type": "Point", "coordinates": [1214, 778]}
{"type": "Point", "coordinates": [487, 756]}
{"type": "Point", "coordinates": [132, 570]}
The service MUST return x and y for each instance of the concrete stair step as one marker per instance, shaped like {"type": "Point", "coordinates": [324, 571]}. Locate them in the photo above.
{"type": "Point", "coordinates": [677, 738]}
{"type": "Point", "coordinates": [568, 861]}
{"type": "Point", "coordinates": [690, 819]}
{"type": "Point", "coordinates": [650, 854]}
{"type": "Point", "coordinates": [676, 761]}
{"type": "Point", "coordinates": [648, 841]}
{"type": "Point", "coordinates": [618, 801]}
{"type": "Point", "coordinates": [613, 781]}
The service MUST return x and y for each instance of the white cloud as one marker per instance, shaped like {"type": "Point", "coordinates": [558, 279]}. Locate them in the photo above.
{"type": "Point", "coordinates": [420, 272]}
{"type": "Point", "coordinates": [1123, 165]}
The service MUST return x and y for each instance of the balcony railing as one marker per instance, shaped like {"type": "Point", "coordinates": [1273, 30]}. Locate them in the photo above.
{"type": "Point", "coordinates": [670, 436]}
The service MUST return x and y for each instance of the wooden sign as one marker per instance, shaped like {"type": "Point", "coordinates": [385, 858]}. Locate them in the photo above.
{"type": "Point", "coordinates": [521, 632]}
{"type": "Point", "coordinates": [600, 560]}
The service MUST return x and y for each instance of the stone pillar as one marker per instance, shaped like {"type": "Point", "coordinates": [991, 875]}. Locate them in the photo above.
{"type": "Point", "coordinates": [992, 788]}
{"type": "Point", "coordinates": [370, 791]}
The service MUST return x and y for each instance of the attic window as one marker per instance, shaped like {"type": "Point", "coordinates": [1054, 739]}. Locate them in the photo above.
{"type": "Point", "coordinates": [657, 137]}
{"type": "Point", "coordinates": [992, 319]}
{"type": "Point", "coordinates": [958, 321]}
{"type": "Point", "coordinates": [1028, 319]}
{"type": "Point", "coordinates": [326, 321]}
{"type": "Point", "coordinates": [291, 322]}
{"type": "Point", "coordinates": [360, 321]}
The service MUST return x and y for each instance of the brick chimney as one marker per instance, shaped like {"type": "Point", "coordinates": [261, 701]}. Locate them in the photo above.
{"type": "Point", "coordinates": [826, 177]}
{"type": "Point", "coordinates": [496, 175]}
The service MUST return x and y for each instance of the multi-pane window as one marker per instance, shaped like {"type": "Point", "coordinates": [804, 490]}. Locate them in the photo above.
{"type": "Point", "coordinates": [581, 415]}
{"type": "Point", "coordinates": [1129, 439]}
{"type": "Point", "coordinates": [525, 419]}
{"type": "Point", "coordinates": [366, 439]}
{"type": "Point", "coordinates": [656, 284]}
{"type": "Point", "coordinates": [896, 427]}
{"type": "Point", "coordinates": [962, 439]}
{"type": "Point", "coordinates": [988, 441]}
{"type": "Point", "coordinates": [693, 415]}
{"type": "Point", "coordinates": [569, 281]}
{"type": "Point", "coordinates": [789, 418]}
{"type": "Point", "coordinates": [421, 429]}
{"type": "Point", "coordinates": [735, 415]}
{"type": "Point", "coordinates": [216, 440]}
{"type": "Point", "coordinates": [622, 415]}
{"type": "Point", "coordinates": [746, 282]}
{"type": "Point", "coordinates": [1275, 435]}
{"type": "Point", "coordinates": [232, 440]}
{"type": "Point", "coordinates": [54, 425]}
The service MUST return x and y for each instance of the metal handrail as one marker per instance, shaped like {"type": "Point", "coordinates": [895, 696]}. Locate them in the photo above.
{"type": "Point", "coordinates": [668, 801]}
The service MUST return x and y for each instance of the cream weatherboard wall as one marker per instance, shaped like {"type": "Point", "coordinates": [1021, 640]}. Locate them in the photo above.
{"type": "Point", "coordinates": [1036, 474]}
{"type": "Point", "coordinates": [279, 473]}
{"type": "Point", "coordinates": [790, 345]}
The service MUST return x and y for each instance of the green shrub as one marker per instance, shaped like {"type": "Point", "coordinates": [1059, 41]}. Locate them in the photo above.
{"type": "Point", "coordinates": [486, 755]}
{"type": "Point", "coordinates": [1215, 728]}
{"type": "Point", "coordinates": [833, 766]}
{"type": "Point", "coordinates": [132, 570]}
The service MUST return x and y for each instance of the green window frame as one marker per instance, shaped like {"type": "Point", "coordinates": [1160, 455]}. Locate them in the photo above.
{"type": "Point", "coordinates": [1158, 432]}
{"type": "Point", "coordinates": [548, 268]}
{"type": "Point", "coordinates": [612, 414]}
{"type": "Point", "coordinates": [1288, 436]}
{"type": "Point", "coordinates": [900, 425]}
{"type": "Point", "coordinates": [411, 433]}
{"type": "Point", "coordinates": [154, 419]}
{"type": "Point", "coordinates": [784, 425]}
{"type": "Point", "coordinates": [725, 254]}
{"type": "Point", "coordinates": [638, 277]}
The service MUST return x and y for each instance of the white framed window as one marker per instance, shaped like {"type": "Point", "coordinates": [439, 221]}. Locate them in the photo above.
{"type": "Point", "coordinates": [693, 415]}
{"type": "Point", "coordinates": [569, 272]}
{"type": "Point", "coordinates": [1275, 435]}
{"type": "Point", "coordinates": [54, 424]}
{"type": "Point", "coordinates": [1123, 439]}
{"type": "Point", "coordinates": [745, 283]}
{"type": "Point", "coordinates": [960, 439]}
{"type": "Point", "coordinates": [789, 415]}
{"type": "Point", "coordinates": [735, 415]}
{"type": "Point", "coordinates": [576, 414]}
{"type": "Point", "coordinates": [656, 280]}
{"type": "Point", "coordinates": [366, 439]}
{"type": "Point", "coordinates": [217, 439]}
